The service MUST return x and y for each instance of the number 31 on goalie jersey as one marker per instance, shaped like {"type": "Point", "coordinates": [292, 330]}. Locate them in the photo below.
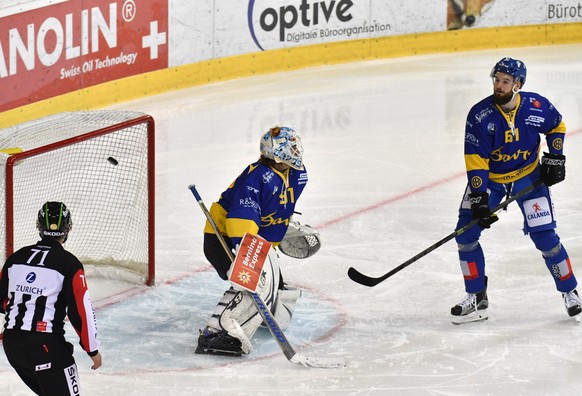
{"type": "Point", "coordinates": [287, 195]}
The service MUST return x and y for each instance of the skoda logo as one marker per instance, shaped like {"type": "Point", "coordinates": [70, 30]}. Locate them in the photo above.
{"type": "Point", "coordinates": [31, 277]}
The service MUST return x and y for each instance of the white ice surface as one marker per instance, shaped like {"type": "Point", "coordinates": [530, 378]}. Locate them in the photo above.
{"type": "Point", "coordinates": [384, 149]}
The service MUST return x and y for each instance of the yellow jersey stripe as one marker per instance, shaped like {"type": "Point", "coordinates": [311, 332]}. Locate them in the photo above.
{"type": "Point", "coordinates": [236, 228]}
{"type": "Point", "coordinates": [559, 129]}
{"type": "Point", "coordinates": [475, 162]}
{"type": "Point", "coordinates": [512, 176]}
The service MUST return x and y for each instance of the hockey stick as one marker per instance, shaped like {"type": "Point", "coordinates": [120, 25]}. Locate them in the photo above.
{"type": "Point", "coordinates": [370, 281]}
{"type": "Point", "coordinates": [264, 311]}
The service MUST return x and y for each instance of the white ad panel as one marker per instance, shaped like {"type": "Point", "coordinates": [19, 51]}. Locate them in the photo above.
{"type": "Point", "coordinates": [191, 31]}
{"type": "Point", "coordinates": [291, 22]}
{"type": "Point", "coordinates": [492, 13]}
{"type": "Point", "coordinates": [258, 25]}
{"type": "Point", "coordinates": [209, 29]}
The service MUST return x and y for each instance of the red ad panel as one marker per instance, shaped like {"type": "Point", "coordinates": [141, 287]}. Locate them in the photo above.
{"type": "Point", "coordinates": [72, 45]}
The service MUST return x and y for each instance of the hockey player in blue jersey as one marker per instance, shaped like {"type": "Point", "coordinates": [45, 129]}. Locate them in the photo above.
{"type": "Point", "coordinates": [261, 201]}
{"type": "Point", "coordinates": [502, 148]}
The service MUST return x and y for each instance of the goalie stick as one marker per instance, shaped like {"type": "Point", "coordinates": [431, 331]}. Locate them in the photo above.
{"type": "Point", "coordinates": [370, 281]}
{"type": "Point", "coordinates": [264, 311]}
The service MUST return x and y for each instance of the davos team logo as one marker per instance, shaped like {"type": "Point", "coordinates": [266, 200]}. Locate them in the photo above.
{"type": "Point", "coordinates": [476, 181]}
{"type": "Point", "coordinates": [31, 277]}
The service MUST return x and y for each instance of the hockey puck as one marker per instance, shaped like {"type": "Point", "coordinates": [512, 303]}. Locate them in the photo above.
{"type": "Point", "coordinates": [112, 161]}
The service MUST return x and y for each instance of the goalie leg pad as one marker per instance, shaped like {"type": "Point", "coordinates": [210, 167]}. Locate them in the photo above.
{"type": "Point", "coordinates": [214, 339]}
{"type": "Point", "coordinates": [214, 321]}
{"type": "Point", "coordinates": [285, 306]}
{"type": "Point", "coordinates": [300, 241]}
{"type": "Point", "coordinates": [234, 329]}
{"type": "Point", "coordinates": [240, 317]}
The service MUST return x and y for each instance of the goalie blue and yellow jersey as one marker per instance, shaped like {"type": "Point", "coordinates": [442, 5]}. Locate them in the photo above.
{"type": "Point", "coordinates": [261, 201]}
{"type": "Point", "coordinates": [504, 147]}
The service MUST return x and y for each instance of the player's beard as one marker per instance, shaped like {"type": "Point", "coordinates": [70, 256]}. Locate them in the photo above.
{"type": "Point", "coordinates": [501, 98]}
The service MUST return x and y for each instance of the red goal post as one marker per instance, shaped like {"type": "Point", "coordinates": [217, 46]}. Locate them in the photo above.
{"type": "Point", "coordinates": [101, 164]}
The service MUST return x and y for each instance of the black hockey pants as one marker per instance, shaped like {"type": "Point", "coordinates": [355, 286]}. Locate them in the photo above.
{"type": "Point", "coordinates": [44, 361]}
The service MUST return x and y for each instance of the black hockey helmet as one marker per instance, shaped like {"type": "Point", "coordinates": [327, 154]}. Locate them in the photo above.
{"type": "Point", "coordinates": [54, 220]}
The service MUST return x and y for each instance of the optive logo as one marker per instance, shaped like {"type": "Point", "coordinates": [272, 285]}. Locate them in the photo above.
{"type": "Point", "coordinates": [308, 14]}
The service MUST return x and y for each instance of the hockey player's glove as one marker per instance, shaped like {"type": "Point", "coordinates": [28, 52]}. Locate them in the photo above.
{"type": "Point", "coordinates": [553, 168]}
{"type": "Point", "coordinates": [300, 241]}
{"type": "Point", "coordinates": [480, 208]}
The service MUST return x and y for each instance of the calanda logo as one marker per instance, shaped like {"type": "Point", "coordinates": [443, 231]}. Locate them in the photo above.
{"type": "Point", "coordinates": [305, 13]}
{"type": "Point", "coordinates": [538, 212]}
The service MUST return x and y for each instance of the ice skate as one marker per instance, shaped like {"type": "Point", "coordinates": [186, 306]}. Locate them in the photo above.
{"type": "Point", "coordinates": [218, 343]}
{"type": "Point", "coordinates": [472, 308]}
{"type": "Point", "coordinates": [572, 303]}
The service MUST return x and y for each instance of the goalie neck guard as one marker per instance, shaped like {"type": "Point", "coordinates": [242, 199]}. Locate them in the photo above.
{"type": "Point", "coordinates": [54, 220]}
{"type": "Point", "coordinates": [283, 145]}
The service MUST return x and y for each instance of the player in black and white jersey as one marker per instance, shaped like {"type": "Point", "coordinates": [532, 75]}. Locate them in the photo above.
{"type": "Point", "coordinates": [40, 285]}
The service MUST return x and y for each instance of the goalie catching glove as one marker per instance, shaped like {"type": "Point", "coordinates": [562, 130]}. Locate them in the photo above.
{"type": "Point", "coordinates": [301, 241]}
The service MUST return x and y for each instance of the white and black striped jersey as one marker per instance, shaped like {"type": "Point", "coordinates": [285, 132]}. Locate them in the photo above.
{"type": "Point", "coordinates": [40, 285]}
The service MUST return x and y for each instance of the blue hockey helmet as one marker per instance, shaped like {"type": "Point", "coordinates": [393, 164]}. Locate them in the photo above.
{"type": "Point", "coordinates": [283, 145]}
{"type": "Point", "coordinates": [513, 67]}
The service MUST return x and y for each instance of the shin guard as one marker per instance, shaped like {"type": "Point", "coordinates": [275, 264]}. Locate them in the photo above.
{"type": "Point", "coordinates": [556, 259]}
{"type": "Point", "coordinates": [473, 267]}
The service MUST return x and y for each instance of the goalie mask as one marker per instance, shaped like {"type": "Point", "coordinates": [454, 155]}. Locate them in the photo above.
{"type": "Point", "coordinates": [54, 220]}
{"type": "Point", "coordinates": [283, 145]}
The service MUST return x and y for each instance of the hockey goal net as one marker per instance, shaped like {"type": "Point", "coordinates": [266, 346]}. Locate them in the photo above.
{"type": "Point", "coordinates": [101, 165]}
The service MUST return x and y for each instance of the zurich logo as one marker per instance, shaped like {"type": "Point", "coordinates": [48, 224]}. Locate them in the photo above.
{"type": "Point", "coordinates": [31, 277]}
